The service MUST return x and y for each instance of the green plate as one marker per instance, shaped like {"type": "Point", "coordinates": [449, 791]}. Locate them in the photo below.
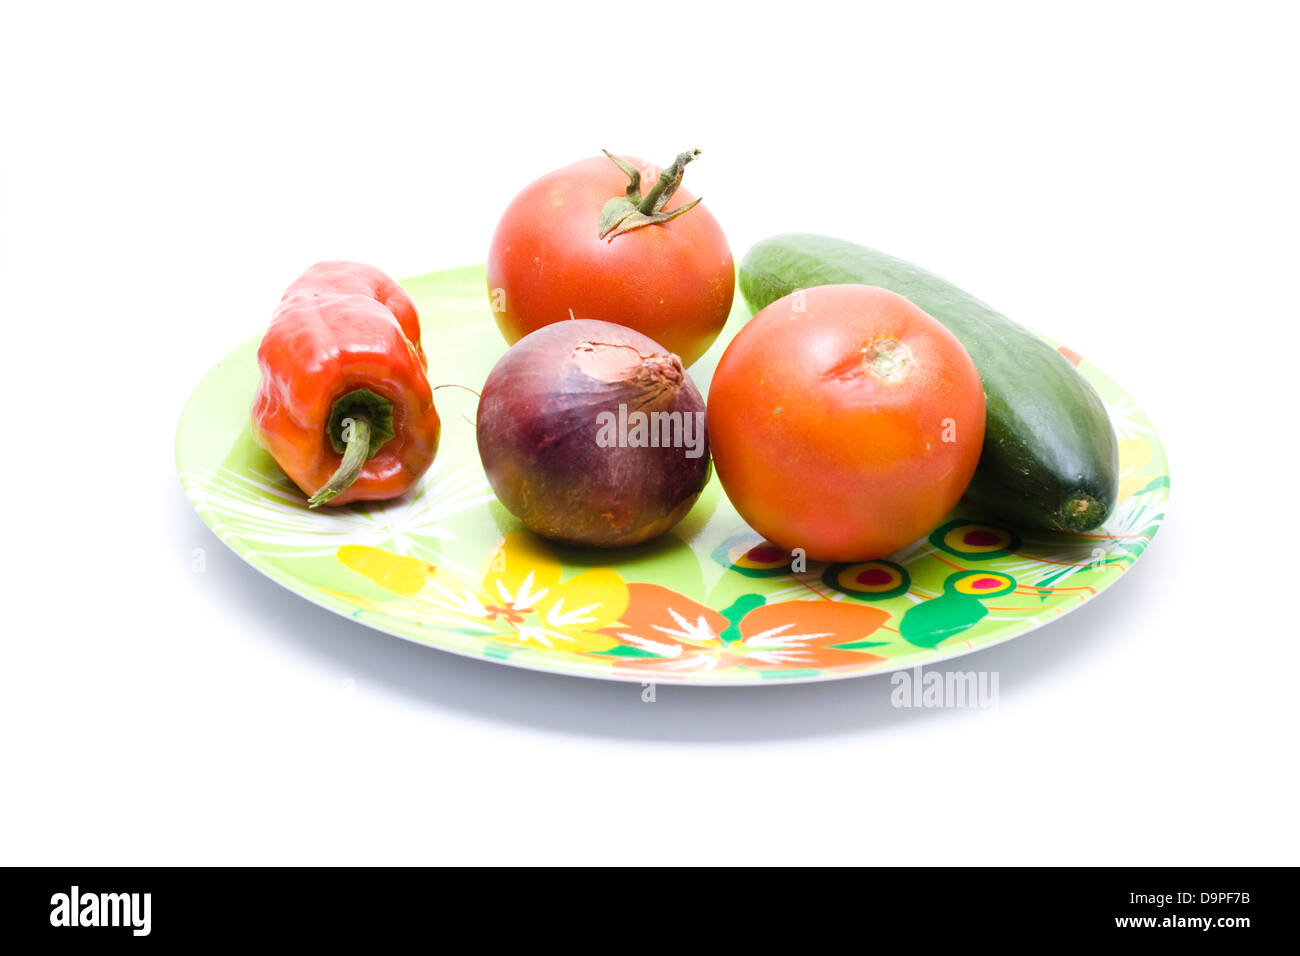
{"type": "Point", "coordinates": [708, 603]}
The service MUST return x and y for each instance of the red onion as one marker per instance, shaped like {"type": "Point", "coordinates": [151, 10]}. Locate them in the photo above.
{"type": "Point", "coordinates": [593, 434]}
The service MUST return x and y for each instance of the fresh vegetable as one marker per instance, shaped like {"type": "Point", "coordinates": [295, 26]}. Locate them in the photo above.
{"type": "Point", "coordinates": [593, 434]}
{"type": "Point", "coordinates": [845, 421]}
{"type": "Point", "coordinates": [1050, 458]}
{"type": "Point", "coordinates": [584, 242]}
{"type": "Point", "coordinates": [344, 406]}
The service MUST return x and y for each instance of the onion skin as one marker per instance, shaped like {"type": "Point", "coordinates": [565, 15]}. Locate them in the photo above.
{"type": "Point", "coordinates": [542, 418]}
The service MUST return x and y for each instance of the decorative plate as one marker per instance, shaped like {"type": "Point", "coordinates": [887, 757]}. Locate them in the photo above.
{"type": "Point", "coordinates": [708, 603]}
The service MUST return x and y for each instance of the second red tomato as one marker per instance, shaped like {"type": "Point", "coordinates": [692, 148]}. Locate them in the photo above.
{"type": "Point", "coordinates": [670, 277]}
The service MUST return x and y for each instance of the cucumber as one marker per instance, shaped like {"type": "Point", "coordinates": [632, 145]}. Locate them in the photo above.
{"type": "Point", "coordinates": [1050, 458]}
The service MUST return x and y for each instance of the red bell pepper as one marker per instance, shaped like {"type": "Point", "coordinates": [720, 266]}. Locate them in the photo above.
{"type": "Point", "coordinates": [344, 405]}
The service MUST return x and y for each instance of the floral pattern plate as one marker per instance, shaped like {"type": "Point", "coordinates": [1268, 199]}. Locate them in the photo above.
{"type": "Point", "coordinates": [708, 603]}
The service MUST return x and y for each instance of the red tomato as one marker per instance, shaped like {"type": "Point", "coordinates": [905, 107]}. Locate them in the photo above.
{"type": "Point", "coordinates": [845, 421]}
{"type": "Point", "coordinates": [672, 281]}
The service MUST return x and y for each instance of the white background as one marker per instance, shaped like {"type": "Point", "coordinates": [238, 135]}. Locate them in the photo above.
{"type": "Point", "coordinates": [1122, 177]}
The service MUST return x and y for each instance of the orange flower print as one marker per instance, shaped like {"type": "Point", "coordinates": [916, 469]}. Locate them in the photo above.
{"type": "Point", "coordinates": [681, 636]}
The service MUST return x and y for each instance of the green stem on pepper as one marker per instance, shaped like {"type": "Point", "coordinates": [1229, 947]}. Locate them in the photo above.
{"type": "Point", "coordinates": [355, 456]}
{"type": "Point", "coordinates": [360, 422]}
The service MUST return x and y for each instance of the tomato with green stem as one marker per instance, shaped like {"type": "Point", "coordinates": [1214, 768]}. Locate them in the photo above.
{"type": "Point", "coordinates": [585, 242]}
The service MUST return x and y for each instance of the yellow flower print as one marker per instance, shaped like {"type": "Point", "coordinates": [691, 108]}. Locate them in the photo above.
{"type": "Point", "coordinates": [1134, 457]}
{"type": "Point", "coordinates": [518, 599]}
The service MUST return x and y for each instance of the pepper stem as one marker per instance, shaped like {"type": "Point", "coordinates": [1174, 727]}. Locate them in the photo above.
{"type": "Point", "coordinates": [356, 436]}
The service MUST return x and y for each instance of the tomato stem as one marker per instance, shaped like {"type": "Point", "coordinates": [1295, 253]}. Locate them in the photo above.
{"type": "Point", "coordinates": [632, 210]}
{"type": "Point", "coordinates": [669, 180]}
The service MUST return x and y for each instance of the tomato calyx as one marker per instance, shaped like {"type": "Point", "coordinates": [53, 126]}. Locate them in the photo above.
{"type": "Point", "coordinates": [888, 359]}
{"type": "Point", "coordinates": [632, 210]}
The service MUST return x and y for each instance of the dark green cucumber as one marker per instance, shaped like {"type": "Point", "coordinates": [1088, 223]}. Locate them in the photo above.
{"type": "Point", "coordinates": [1050, 459]}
